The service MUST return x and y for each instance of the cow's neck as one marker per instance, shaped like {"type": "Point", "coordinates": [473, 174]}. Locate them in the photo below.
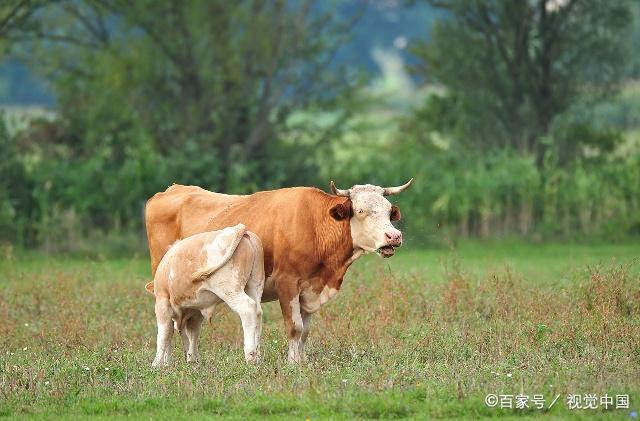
{"type": "Point", "coordinates": [357, 252]}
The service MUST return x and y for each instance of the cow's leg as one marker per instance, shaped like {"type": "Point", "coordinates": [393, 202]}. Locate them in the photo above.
{"type": "Point", "coordinates": [165, 332]}
{"type": "Point", "coordinates": [192, 334]}
{"type": "Point", "coordinates": [306, 325]}
{"type": "Point", "coordinates": [247, 308]}
{"type": "Point", "coordinates": [290, 306]}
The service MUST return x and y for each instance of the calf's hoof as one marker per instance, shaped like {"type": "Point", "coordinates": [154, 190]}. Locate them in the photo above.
{"type": "Point", "coordinates": [253, 357]}
{"type": "Point", "coordinates": [158, 364]}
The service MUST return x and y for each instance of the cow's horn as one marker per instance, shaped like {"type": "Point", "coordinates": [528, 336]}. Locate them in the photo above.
{"type": "Point", "coordinates": [388, 191]}
{"type": "Point", "coordinates": [339, 192]}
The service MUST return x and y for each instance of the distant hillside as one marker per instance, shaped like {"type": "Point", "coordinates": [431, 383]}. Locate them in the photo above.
{"type": "Point", "coordinates": [386, 24]}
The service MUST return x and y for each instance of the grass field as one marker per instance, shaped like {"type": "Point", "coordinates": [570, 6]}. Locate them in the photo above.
{"type": "Point", "coordinates": [426, 334]}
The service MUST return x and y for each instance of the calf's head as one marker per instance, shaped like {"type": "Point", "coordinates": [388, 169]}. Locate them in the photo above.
{"type": "Point", "coordinates": [370, 215]}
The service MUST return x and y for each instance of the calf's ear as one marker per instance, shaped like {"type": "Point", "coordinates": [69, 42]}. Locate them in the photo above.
{"type": "Point", "coordinates": [149, 288]}
{"type": "Point", "coordinates": [342, 211]}
{"type": "Point", "coordinates": [395, 213]}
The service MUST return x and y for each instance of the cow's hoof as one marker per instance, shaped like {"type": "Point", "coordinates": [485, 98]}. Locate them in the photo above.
{"type": "Point", "coordinates": [296, 360]}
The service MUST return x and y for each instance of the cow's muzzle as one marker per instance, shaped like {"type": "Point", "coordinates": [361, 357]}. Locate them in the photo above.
{"type": "Point", "coordinates": [386, 251]}
{"type": "Point", "coordinates": [393, 239]}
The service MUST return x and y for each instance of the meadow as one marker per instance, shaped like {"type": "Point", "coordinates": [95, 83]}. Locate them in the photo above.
{"type": "Point", "coordinates": [426, 334]}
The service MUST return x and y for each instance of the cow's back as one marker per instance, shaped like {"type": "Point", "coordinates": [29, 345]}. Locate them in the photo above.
{"type": "Point", "coordinates": [179, 212]}
{"type": "Point", "coordinates": [285, 220]}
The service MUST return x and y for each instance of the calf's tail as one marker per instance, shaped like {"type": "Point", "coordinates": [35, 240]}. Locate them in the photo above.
{"type": "Point", "coordinates": [203, 274]}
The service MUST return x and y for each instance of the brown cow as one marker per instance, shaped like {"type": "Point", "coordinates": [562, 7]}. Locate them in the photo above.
{"type": "Point", "coordinates": [310, 238]}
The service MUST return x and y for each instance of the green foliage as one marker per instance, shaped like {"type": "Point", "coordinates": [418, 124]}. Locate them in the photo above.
{"type": "Point", "coordinates": [155, 92]}
{"type": "Point", "coordinates": [458, 193]}
{"type": "Point", "coordinates": [16, 201]}
{"type": "Point", "coordinates": [524, 137]}
{"type": "Point", "coordinates": [511, 67]}
{"type": "Point", "coordinates": [517, 136]}
{"type": "Point", "coordinates": [208, 85]}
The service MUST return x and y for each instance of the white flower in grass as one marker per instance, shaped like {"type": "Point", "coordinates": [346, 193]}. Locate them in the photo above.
{"type": "Point", "coordinates": [46, 383]}
{"type": "Point", "coordinates": [106, 369]}
{"type": "Point", "coordinates": [24, 349]}
{"type": "Point", "coordinates": [26, 325]}
{"type": "Point", "coordinates": [509, 375]}
{"type": "Point", "coordinates": [86, 368]}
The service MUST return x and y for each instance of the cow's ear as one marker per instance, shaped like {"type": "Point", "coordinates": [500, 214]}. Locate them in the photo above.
{"type": "Point", "coordinates": [342, 211]}
{"type": "Point", "coordinates": [395, 213]}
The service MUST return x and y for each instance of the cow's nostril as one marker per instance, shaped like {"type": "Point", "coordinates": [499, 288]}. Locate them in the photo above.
{"type": "Point", "coordinates": [393, 236]}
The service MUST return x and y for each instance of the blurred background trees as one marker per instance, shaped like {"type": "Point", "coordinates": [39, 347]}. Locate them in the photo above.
{"type": "Point", "coordinates": [512, 67]}
{"type": "Point", "coordinates": [522, 82]}
{"type": "Point", "coordinates": [517, 117]}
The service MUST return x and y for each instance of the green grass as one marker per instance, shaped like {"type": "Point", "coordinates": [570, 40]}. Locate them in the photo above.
{"type": "Point", "coordinates": [548, 263]}
{"type": "Point", "coordinates": [426, 334]}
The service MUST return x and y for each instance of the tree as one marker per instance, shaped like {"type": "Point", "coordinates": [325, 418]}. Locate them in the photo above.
{"type": "Point", "coordinates": [225, 95]}
{"type": "Point", "coordinates": [214, 84]}
{"type": "Point", "coordinates": [511, 67]}
{"type": "Point", "coordinates": [16, 13]}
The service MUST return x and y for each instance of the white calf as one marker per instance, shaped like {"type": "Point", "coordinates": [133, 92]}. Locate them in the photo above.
{"type": "Point", "coordinates": [198, 273]}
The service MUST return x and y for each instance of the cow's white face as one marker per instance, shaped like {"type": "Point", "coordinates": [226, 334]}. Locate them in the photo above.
{"type": "Point", "coordinates": [371, 215]}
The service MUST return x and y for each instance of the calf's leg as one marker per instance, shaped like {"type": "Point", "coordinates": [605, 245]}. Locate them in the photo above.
{"type": "Point", "coordinates": [254, 289]}
{"type": "Point", "coordinates": [247, 308]}
{"type": "Point", "coordinates": [165, 332]}
{"type": "Point", "coordinates": [192, 334]}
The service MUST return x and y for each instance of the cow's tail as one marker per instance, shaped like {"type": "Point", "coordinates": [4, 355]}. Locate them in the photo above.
{"type": "Point", "coordinates": [203, 274]}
